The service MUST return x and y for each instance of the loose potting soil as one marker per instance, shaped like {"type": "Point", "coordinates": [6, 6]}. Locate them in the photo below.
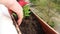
{"type": "Point", "coordinates": [30, 25]}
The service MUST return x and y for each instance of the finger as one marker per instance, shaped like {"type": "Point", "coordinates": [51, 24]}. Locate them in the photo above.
{"type": "Point", "coordinates": [18, 10]}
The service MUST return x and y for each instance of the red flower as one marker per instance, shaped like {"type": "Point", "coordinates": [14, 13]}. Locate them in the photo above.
{"type": "Point", "coordinates": [22, 2]}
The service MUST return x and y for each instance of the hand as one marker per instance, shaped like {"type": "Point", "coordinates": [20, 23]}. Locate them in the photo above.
{"type": "Point", "coordinates": [14, 6]}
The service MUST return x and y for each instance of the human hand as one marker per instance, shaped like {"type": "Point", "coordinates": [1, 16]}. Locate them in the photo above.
{"type": "Point", "coordinates": [14, 6]}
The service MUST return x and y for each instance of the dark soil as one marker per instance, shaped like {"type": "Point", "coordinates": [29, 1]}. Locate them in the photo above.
{"type": "Point", "coordinates": [30, 25]}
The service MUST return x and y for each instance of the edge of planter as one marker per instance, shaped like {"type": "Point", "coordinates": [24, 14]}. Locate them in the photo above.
{"type": "Point", "coordinates": [45, 26]}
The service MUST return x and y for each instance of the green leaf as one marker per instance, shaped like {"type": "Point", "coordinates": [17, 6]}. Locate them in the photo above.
{"type": "Point", "coordinates": [26, 11]}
